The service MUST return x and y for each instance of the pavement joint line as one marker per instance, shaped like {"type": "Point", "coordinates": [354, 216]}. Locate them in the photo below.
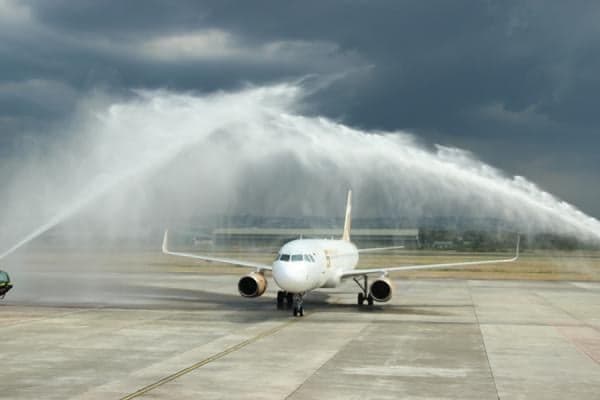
{"type": "Point", "coordinates": [568, 313]}
{"type": "Point", "coordinates": [34, 320]}
{"type": "Point", "coordinates": [367, 324]}
{"type": "Point", "coordinates": [582, 323]}
{"type": "Point", "coordinates": [208, 360]}
{"type": "Point", "coordinates": [487, 356]}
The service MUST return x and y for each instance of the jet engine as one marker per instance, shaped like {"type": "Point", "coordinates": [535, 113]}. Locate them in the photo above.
{"type": "Point", "coordinates": [252, 285]}
{"type": "Point", "coordinates": [381, 289]}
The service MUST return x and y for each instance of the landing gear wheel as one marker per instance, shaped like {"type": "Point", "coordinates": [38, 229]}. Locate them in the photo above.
{"type": "Point", "coordinates": [364, 295]}
{"type": "Point", "coordinates": [370, 300]}
{"type": "Point", "coordinates": [361, 299]}
{"type": "Point", "coordinates": [289, 299]}
{"type": "Point", "coordinates": [298, 301]}
{"type": "Point", "coordinates": [280, 298]}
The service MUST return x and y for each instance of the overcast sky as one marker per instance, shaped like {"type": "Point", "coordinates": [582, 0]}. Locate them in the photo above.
{"type": "Point", "coordinates": [516, 82]}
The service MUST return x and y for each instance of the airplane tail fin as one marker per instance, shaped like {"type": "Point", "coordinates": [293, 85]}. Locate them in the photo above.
{"type": "Point", "coordinates": [348, 219]}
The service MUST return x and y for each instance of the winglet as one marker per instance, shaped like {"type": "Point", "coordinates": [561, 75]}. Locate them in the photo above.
{"type": "Point", "coordinates": [518, 247]}
{"type": "Point", "coordinates": [164, 243]}
{"type": "Point", "coordinates": [348, 219]}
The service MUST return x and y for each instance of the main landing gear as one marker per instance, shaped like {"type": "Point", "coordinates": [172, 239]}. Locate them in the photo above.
{"type": "Point", "coordinates": [291, 300]}
{"type": "Point", "coordinates": [364, 295]}
{"type": "Point", "coordinates": [284, 299]}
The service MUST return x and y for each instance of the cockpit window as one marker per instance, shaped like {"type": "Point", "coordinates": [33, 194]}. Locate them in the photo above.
{"type": "Point", "coordinates": [297, 257]}
{"type": "Point", "coordinates": [307, 258]}
{"type": "Point", "coordinates": [312, 259]}
{"type": "Point", "coordinates": [284, 257]}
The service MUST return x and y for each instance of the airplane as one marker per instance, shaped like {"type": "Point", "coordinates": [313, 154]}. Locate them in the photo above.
{"type": "Point", "coordinates": [303, 265]}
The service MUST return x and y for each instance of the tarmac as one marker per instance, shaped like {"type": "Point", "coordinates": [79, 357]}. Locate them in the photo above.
{"type": "Point", "coordinates": [159, 335]}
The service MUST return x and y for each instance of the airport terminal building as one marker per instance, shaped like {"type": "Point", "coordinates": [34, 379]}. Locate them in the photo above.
{"type": "Point", "coordinates": [278, 236]}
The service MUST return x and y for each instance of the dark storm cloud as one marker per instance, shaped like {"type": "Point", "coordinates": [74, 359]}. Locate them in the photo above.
{"type": "Point", "coordinates": [515, 82]}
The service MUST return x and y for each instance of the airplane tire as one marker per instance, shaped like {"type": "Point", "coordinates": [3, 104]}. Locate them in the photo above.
{"type": "Point", "coordinates": [370, 300]}
{"type": "Point", "coordinates": [361, 299]}
{"type": "Point", "coordinates": [280, 298]}
{"type": "Point", "coordinates": [301, 312]}
{"type": "Point", "coordinates": [295, 312]}
{"type": "Point", "coordinates": [289, 299]}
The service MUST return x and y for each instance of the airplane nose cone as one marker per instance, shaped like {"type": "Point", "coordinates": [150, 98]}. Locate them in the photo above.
{"type": "Point", "coordinates": [292, 276]}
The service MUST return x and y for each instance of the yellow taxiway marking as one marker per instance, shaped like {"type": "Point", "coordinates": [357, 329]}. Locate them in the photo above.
{"type": "Point", "coordinates": [208, 360]}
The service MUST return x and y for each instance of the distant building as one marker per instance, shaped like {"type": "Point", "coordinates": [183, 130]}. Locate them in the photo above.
{"type": "Point", "coordinates": [443, 245]}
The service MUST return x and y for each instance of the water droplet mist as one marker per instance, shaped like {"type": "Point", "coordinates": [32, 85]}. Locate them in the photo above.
{"type": "Point", "coordinates": [163, 155]}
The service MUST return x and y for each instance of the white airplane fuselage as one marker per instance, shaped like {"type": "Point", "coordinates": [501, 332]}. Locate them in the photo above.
{"type": "Point", "coordinates": [306, 264]}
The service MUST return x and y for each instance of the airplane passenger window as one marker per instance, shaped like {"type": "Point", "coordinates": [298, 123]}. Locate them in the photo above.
{"type": "Point", "coordinates": [297, 257]}
{"type": "Point", "coordinates": [284, 257]}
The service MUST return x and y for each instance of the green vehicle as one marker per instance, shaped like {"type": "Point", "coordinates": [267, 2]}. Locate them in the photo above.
{"type": "Point", "coordinates": [5, 285]}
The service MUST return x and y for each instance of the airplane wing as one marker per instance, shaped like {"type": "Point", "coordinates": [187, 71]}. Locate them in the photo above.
{"type": "Point", "coordinates": [230, 261]}
{"type": "Point", "coordinates": [380, 271]}
{"type": "Point", "coordinates": [375, 249]}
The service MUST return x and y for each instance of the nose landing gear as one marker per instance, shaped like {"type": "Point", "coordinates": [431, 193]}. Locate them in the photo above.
{"type": "Point", "coordinates": [291, 300]}
{"type": "Point", "coordinates": [298, 301]}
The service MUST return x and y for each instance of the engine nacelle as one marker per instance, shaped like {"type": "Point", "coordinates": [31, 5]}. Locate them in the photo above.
{"type": "Point", "coordinates": [381, 289]}
{"type": "Point", "coordinates": [252, 285]}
